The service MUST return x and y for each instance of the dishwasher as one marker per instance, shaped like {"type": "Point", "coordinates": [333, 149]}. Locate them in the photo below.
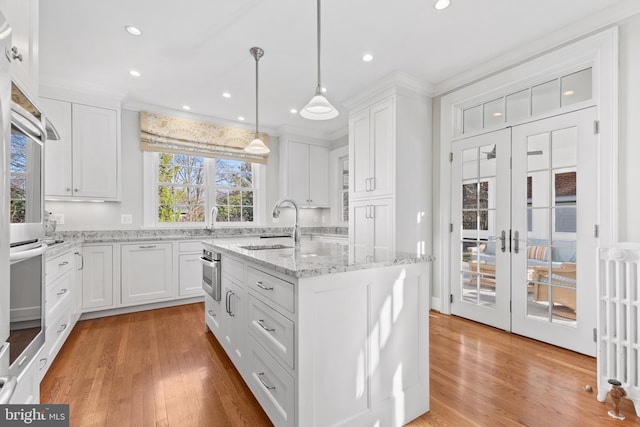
{"type": "Point", "coordinates": [211, 273]}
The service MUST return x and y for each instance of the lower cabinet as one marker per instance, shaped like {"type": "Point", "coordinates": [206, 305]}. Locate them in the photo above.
{"type": "Point", "coordinates": [27, 392]}
{"type": "Point", "coordinates": [97, 277]}
{"type": "Point", "coordinates": [146, 272]}
{"type": "Point", "coordinates": [233, 324]}
{"type": "Point", "coordinates": [190, 275]}
{"type": "Point", "coordinates": [213, 316]}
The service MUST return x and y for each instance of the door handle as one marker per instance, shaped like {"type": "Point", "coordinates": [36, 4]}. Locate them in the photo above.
{"type": "Point", "coordinates": [516, 242]}
{"type": "Point", "coordinates": [231, 294]}
{"type": "Point", "coordinates": [503, 238]}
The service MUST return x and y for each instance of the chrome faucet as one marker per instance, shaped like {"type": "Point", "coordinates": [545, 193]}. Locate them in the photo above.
{"type": "Point", "coordinates": [214, 215]}
{"type": "Point", "coordinates": [296, 227]}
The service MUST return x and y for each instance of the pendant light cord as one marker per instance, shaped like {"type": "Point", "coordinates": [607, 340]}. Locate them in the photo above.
{"type": "Point", "coordinates": [319, 88]}
{"type": "Point", "coordinates": [257, 59]}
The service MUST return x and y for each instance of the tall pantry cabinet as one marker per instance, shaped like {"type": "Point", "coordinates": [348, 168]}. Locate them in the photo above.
{"type": "Point", "coordinates": [389, 170]}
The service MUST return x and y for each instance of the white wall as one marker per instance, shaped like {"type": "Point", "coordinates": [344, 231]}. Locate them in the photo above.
{"type": "Point", "coordinates": [106, 216]}
{"type": "Point", "coordinates": [629, 131]}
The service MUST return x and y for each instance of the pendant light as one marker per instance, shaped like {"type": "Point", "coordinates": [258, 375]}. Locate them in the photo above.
{"type": "Point", "coordinates": [319, 108]}
{"type": "Point", "coordinates": [256, 146]}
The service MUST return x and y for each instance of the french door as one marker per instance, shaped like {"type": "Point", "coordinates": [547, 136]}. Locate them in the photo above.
{"type": "Point", "coordinates": [524, 210]}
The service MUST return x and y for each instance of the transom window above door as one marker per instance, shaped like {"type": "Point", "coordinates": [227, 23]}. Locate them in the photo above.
{"type": "Point", "coordinates": [522, 104]}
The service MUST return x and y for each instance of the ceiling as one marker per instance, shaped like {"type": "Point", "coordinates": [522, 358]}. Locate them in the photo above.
{"type": "Point", "coordinates": [194, 50]}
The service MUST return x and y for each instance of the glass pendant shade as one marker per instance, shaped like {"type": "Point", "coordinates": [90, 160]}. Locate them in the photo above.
{"type": "Point", "coordinates": [257, 147]}
{"type": "Point", "coordinates": [319, 108]}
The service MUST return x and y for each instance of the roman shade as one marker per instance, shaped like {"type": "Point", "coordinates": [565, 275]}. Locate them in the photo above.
{"type": "Point", "coordinates": [186, 136]}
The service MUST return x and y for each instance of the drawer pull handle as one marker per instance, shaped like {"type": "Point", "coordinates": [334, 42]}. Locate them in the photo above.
{"type": "Point", "coordinates": [268, 387]}
{"type": "Point", "coordinates": [62, 328]}
{"type": "Point", "coordinates": [266, 288]}
{"type": "Point", "coordinates": [43, 363]}
{"type": "Point", "coordinates": [261, 323]}
{"type": "Point", "coordinates": [147, 247]}
{"type": "Point", "coordinates": [211, 313]}
{"type": "Point", "coordinates": [62, 292]}
{"type": "Point", "coordinates": [63, 263]}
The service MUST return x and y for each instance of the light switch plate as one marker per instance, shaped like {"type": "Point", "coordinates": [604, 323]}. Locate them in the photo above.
{"type": "Point", "coordinates": [126, 219]}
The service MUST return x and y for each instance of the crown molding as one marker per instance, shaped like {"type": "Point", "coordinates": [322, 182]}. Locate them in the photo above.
{"type": "Point", "coordinates": [569, 34]}
{"type": "Point", "coordinates": [394, 82]}
{"type": "Point", "coordinates": [80, 93]}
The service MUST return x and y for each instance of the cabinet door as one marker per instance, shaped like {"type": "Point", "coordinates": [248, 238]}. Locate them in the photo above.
{"type": "Point", "coordinates": [146, 273]}
{"type": "Point", "coordinates": [95, 152]}
{"type": "Point", "coordinates": [360, 224]}
{"type": "Point", "coordinates": [23, 16]}
{"type": "Point", "coordinates": [359, 154]}
{"type": "Point", "coordinates": [383, 225]}
{"type": "Point", "coordinates": [318, 176]}
{"type": "Point", "coordinates": [298, 172]}
{"type": "Point", "coordinates": [79, 267]}
{"type": "Point", "coordinates": [57, 154]}
{"type": "Point", "coordinates": [234, 328]}
{"type": "Point", "coordinates": [190, 275]}
{"type": "Point", "coordinates": [97, 277]}
{"type": "Point", "coordinates": [382, 149]}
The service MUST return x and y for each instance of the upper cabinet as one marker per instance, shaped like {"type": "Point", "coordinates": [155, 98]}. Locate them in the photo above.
{"type": "Point", "coordinates": [371, 146]}
{"type": "Point", "coordinates": [23, 16]}
{"type": "Point", "coordinates": [83, 164]}
{"type": "Point", "coordinates": [305, 173]}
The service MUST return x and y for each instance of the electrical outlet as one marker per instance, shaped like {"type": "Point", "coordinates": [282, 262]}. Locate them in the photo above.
{"type": "Point", "coordinates": [315, 218]}
{"type": "Point", "coordinates": [275, 220]}
{"type": "Point", "coordinates": [58, 218]}
{"type": "Point", "coordinates": [126, 219]}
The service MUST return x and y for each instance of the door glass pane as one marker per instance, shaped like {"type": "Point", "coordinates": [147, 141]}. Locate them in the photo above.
{"type": "Point", "coordinates": [478, 245]}
{"type": "Point", "coordinates": [545, 97]}
{"type": "Point", "coordinates": [551, 221]}
{"type": "Point", "coordinates": [576, 87]}
{"type": "Point", "coordinates": [472, 119]}
{"type": "Point", "coordinates": [518, 106]}
{"type": "Point", "coordinates": [494, 113]}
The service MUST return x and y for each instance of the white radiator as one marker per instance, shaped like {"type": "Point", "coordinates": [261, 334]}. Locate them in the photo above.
{"type": "Point", "coordinates": [619, 320]}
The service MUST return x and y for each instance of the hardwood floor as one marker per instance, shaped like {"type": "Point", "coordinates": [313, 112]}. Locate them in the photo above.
{"type": "Point", "coordinates": [159, 368]}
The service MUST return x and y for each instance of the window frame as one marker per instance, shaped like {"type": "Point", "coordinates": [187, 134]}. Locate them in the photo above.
{"type": "Point", "coordinates": [150, 199]}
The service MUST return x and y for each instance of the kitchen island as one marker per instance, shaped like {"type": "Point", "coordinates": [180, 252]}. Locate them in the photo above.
{"type": "Point", "coordinates": [324, 333]}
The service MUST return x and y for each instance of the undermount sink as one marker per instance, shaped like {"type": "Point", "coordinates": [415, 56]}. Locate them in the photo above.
{"type": "Point", "coordinates": [263, 247]}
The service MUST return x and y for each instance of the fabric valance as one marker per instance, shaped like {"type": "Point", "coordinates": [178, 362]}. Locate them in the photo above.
{"type": "Point", "coordinates": [186, 136]}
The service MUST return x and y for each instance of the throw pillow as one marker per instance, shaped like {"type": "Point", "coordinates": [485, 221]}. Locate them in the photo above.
{"type": "Point", "coordinates": [538, 252]}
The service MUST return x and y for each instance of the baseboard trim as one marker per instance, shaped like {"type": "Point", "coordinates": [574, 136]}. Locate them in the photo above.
{"type": "Point", "coordinates": [142, 307]}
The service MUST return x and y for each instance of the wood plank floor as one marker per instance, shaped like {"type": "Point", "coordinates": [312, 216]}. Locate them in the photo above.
{"type": "Point", "coordinates": [159, 368]}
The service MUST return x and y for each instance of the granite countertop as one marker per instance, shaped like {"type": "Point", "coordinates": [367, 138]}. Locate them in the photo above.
{"type": "Point", "coordinates": [313, 258]}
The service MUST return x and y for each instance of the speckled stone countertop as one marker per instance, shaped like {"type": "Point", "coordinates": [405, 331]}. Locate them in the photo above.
{"type": "Point", "coordinates": [73, 239]}
{"type": "Point", "coordinates": [313, 258]}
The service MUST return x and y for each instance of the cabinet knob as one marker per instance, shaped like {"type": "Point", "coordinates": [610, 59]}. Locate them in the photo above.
{"type": "Point", "coordinates": [15, 54]}
{"type": "Point", "coordinates": [67, 189]}
{"type": "Point", "coordinates": [76, 190]}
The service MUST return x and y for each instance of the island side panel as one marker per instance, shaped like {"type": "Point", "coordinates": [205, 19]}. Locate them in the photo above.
{"type": "Point", "coordinates": [363, 355]}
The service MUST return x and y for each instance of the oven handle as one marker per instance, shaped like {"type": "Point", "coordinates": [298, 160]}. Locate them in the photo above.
{"type": "Point", "coordinates": [212, 264]}
{"type": "Point", "coordinates": [7, 387]}
{"type": "Point", "coordinates": [28, 253]}
{"type": "Point", "coordinates": [27, 123]}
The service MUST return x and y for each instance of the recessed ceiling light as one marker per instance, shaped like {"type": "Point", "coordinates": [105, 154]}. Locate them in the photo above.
{"type": "Point", "coordinates": [293, 111]}
{"type": "Point", "coordinates": [568, 93]}
{"type": "Point", "coordinates": [324, 89]}
{"type": "Point", "coordinates": [367, 57]}
{"type": "Point", "coordinates": [186, 107]}
{"type": "Point", "coordinates": [226, 94]}
{"type": "Point", "coordinates": [134, 73]}
{"type": "Point", "coordinates": [134, 31]}
{"type": "Point", "coordinates": [497, 114]}
{"type": "Point", "coordinates": [241, 118]}
{"type": "Point", "coordinates": [441, 4]}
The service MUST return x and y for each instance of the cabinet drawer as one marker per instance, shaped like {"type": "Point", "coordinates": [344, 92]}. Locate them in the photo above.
{"type": "Point", "coordinates": [190, 246]}
{"type": "Point", "coordinates": [212, 315]}
{"type": "Point", "coordinates": [58, 296]}
{"type": "Point", "coordinates": [58, 331]}
{"type": "Point", "coordinates": [233, 268]}
{"type": "Point", "coordinates": [271, 385]}
{"type": "Point", "coordinates": [56, 267]}
{"type": "Point", "coordinates": [272, 330]}
{"type": "Point", "coordinates": [273, 288]}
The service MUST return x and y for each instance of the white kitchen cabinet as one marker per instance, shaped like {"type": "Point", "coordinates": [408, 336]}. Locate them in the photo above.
{"type": "Point", "coordinates": [146, 272]}
{"type": "Point", "coordinates": [305, 173]}
{"type": "Point", "coordinates": [97, 277]}
{"type": "Point", "coordinates": [79, 266]}
{"type": "Point", "coordinates": [371, 146]}
{"type": "Point", "coordinates": [83, 164]}
{"type": "Point", "coordinates": [389, 158]}
{"type": "Point", "coordinates": [213, 316]}
{"type": "Point", "coordinates": [27, 392]}
{"type": "Point", "coordinates": [189, 269]}
{"type": "Point", "coordinates": [23, 16]}
{"type": "Point", "coordinates": [372, 223]}
{"type": "Point", "coordinates": [234, 329]}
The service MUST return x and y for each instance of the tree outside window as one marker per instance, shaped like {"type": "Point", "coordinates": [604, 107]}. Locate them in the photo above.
{"type": "Point", "coordinates": [234, 190]}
